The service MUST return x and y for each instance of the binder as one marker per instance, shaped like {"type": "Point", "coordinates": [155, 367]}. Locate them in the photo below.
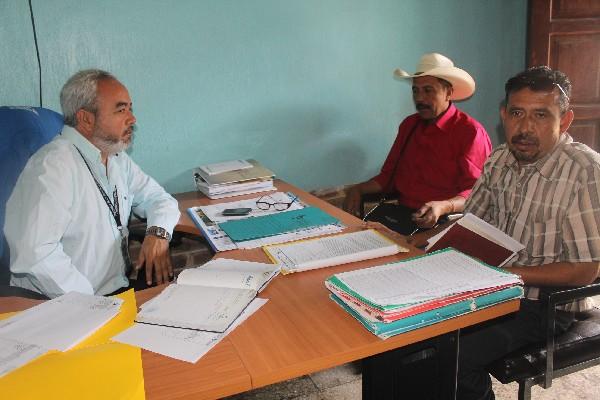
{"type": "Point", "coordinates": [385, 330]}
{"type": "Point", "coordinates": [276, 224]}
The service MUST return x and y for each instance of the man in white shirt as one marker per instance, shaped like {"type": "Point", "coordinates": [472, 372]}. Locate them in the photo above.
{"type": "Point", "coordinates": [66, 220]}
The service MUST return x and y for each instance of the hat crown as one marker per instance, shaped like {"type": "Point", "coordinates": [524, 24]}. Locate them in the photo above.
{"type": "Point", "coordinates": [433, 60]}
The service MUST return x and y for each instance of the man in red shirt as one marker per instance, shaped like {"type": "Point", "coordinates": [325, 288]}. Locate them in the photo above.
{"type": "Point", "coordinates": [438, 154]}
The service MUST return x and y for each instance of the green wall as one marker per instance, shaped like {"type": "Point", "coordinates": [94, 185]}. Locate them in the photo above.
{"type": "Point", "coordinates": [304, 86]}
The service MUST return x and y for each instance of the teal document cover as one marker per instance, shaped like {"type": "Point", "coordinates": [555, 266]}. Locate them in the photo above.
{"type": "Point", "coordinates": [385, 330]}
{"type": "Point", "coordinates": [276, 224]}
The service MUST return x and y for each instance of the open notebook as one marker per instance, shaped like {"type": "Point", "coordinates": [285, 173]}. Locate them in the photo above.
{"type": "Point", "coordinates": [209, 297]}
{"type": "Point", "coordinates": [477, 238]}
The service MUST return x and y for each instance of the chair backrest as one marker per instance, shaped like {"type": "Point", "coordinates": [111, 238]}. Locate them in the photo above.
{"type": "Point", "coordinates": [23, 130]}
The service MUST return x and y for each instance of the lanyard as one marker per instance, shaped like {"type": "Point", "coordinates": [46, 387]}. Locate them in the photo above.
{"type": "Point", "coordinates": [112, 206]}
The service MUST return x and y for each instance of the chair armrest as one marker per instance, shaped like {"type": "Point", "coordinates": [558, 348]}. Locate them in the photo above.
{"type": "Point", "coordinates": [553, 297]}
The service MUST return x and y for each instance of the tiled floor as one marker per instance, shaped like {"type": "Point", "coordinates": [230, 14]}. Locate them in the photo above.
{"type": "Point", "coordinates": [344, 383]}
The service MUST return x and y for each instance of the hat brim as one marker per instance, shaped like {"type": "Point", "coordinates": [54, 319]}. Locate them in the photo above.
{"type": "Point", "coordinates": [462, 83]}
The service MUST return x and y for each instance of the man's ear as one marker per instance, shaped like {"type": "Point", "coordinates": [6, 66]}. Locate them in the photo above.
{"type": "Point", "coordinates": [565, 121]}
{"type": "Point", "coordinates": [502, 113]}
{"type": "Point", "coordinates": [449, 92]}
{"type": "Point", "coordinates": [85, 121]}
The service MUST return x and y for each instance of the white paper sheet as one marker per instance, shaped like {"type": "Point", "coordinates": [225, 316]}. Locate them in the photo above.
{"type": "Point", "coordinates": [196, 307]}
{"type": "Point", "coordinates": [215, 212]}
{"type": "Point", "coordinates": [61, 323]}
{"type": "Point", "coordinates": [182, 344]}
{"type": "Point", "coordinates": [332, 250]}
{"type": "Point", "coordinates": [424, 278]}
{"type": "Point", "coordinates": [15, 354]}
{"type": "Point", "coordinates": [224, 272]}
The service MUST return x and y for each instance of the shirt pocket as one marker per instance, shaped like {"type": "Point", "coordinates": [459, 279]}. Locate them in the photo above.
{"type": "Point", "coordinates": [546, 239]}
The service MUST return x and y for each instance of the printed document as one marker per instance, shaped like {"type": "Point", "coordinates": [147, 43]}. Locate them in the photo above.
{"type": "Point", "coordinates": [223, 272]}
{"type": "Point", "coordinates": [61, 323]}
{"type": "Point", "coordinates": [182, 344]}
{"type": "Point", "coordinates": [424, 278]}
{"type": "Point", "coordinates": [15, 354]}
{"type": "Point", "coordinates": [332, 250]}
{"type": "Point", "coordinates": [205, 308]}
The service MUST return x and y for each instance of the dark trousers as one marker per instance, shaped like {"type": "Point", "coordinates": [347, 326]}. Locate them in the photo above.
{"type": "Point", "coordinates": [485, 343]}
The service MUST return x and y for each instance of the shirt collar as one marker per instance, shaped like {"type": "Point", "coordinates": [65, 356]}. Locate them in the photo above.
{"type": "Point", "coordinates": [443, 122]}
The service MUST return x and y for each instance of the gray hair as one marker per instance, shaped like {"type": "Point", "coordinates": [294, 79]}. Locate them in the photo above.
{"type": "Point", "coordinates": [80, 92]}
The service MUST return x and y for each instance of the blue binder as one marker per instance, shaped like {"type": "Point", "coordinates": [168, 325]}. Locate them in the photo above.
{"type": "Point", "coordinates": [276, 224]}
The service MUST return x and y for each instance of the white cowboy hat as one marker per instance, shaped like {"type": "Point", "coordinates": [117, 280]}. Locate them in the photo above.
{"type": "Point", "coordinates": [435, 64]}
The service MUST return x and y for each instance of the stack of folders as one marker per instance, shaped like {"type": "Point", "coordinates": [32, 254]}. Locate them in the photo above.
{"type": "Point", "coordinates": [233, 178]}
{"type": "Point", "coordinates": [398, 297]}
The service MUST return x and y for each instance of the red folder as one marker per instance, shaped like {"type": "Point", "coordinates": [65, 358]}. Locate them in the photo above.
{"type": "Point", "coordinates": [471, 243]}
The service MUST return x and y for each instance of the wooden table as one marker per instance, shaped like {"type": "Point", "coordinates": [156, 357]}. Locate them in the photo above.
{"type": "Point", "coordinates": [298, 331]}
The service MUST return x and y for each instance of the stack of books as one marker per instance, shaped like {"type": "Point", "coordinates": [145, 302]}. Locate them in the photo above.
{"type": "Point", "coordinates": [398, 297]}
{"type": "Point", "coordinates": [233, 178]}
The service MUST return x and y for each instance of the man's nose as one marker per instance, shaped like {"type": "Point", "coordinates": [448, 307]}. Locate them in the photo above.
{"type": "Point", "coordinates": [132, 120]}
{"type": "Point", "coordinates": [527, 124]}
{"type": "Point", "coordinates": [417, 96]}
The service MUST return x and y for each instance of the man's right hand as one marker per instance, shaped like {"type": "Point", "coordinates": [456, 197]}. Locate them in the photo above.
{"type": "Point", "coordinates": [352, 201]}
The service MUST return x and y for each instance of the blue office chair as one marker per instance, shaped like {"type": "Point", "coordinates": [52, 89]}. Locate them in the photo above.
{"type": "Point", "coordinates": [23, 130]}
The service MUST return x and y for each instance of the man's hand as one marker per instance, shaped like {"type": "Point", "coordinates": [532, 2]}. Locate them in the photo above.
{"type": "Point", "coordinates": [428, 215]}
{"type": "Point", "coordinates": [352, 201]}
{"type": "Point", "coordinates": [155, 254]}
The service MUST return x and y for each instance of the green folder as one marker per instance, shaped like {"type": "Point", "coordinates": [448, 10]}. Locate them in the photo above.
{"type": "Point", "coordinates": [276, 224]}
{"type": "Point", "coordinates": [385, 330]}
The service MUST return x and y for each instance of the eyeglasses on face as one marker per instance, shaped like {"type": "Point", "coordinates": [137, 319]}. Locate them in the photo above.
{"type": "Point", "coordinates": [266, 202]}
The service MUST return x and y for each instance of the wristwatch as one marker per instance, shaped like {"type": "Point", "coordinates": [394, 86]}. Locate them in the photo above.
{"type": "Point", "coordinates": [158, 232]}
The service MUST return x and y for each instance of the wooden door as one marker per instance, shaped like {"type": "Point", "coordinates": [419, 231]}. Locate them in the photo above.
{"type": "Point", "coordinates": [565, 35]}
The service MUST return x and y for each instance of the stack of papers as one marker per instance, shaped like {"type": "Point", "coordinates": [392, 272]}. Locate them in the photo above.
{"type": "Point", "coordinates": [331, 250]}
{"type": "Point", "coordinates": [208, 219]}
{"type": "Point", "coordinates": [57, 324]}
{"type": "Point", "coordinates": [233, 178]}
{"type": "Point", "coordinates": [398, 297]}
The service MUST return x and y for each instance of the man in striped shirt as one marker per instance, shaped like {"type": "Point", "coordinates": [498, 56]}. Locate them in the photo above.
{"type": "Point", "coordinates": [542, 189]}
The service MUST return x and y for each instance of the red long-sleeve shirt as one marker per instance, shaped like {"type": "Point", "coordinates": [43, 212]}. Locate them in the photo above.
{"type": "Point", "coordinates": [441, 160]}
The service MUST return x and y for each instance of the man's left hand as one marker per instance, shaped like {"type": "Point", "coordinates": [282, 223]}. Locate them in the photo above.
{"type": "Point", "coordinates": [155, 255]}
{"type": "Point", "coordinates": [428, 215]}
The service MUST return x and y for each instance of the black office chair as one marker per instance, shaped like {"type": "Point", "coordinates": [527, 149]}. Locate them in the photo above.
{"type": "Point", "coordinates": [576, 349]}
{"type": "Point", "coordinates": [23, 130]}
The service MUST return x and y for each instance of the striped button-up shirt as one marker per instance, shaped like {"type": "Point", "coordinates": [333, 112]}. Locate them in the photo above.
{"type": "Point", "coordinates": [552, 206]}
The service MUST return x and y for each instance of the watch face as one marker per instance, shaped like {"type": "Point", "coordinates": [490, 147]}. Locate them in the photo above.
{"type": "Point", "coordinates": [159, 232]}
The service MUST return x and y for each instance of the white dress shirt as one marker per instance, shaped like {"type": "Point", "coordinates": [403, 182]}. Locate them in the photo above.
{"type": "Point", "coordinates": [61, 233]}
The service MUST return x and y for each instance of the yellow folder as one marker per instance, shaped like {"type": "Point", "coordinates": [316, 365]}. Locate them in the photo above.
{"type": "Point", "coordinates": [94, 369]}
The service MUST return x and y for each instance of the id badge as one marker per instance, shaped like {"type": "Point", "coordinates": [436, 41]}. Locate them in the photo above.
{"type": "Point", "coordinates": [125, 249]}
